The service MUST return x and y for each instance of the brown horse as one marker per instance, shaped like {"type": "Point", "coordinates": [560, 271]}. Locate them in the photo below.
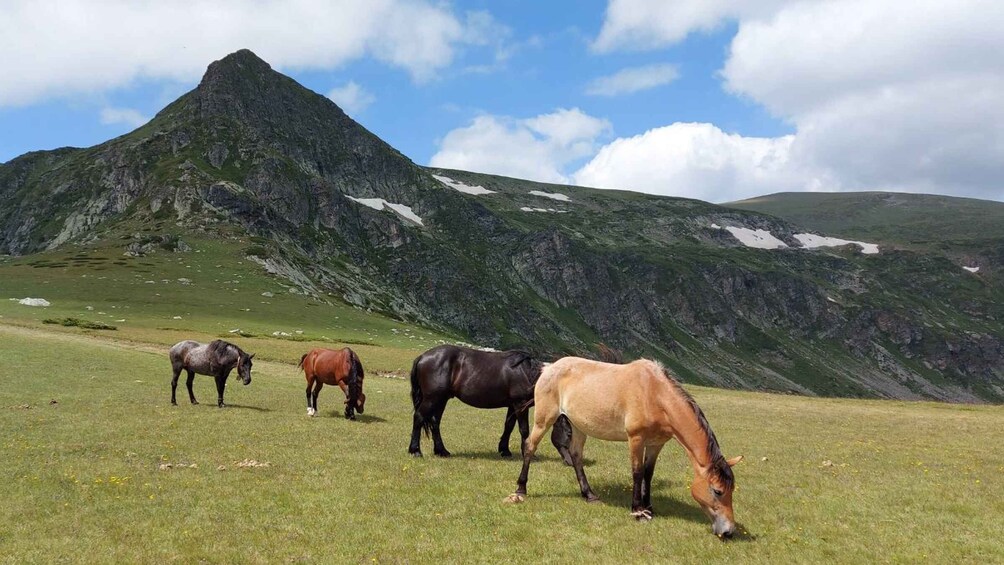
{"type": "Point", "coordinates": [639, 403]}
{"type": "Point", "coordinates": [330, 367]}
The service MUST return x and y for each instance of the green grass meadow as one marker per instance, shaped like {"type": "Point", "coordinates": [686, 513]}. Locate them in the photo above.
{"type": "Point", "coordinates": [81, 478]}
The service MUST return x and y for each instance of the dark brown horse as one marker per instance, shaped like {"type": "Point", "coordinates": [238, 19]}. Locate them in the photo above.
{"type": "Point", "coordinates": [215, 359]}
{"type": "Point", "coordinates": [331, 367]}
{"type": "Point", "coordinates": [479, 378]}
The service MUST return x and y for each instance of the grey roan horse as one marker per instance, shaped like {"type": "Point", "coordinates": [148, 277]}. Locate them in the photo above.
{"type": "Point", "coordinates": [215, 359]}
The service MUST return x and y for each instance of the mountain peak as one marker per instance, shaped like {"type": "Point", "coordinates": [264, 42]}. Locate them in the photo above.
{"type": "Point", "coordinates": [238, 66]}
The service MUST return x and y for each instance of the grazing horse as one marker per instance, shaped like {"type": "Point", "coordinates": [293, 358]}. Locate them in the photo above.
{"type": "Point", "coordinates": [330, 367]}
{"type": "Point", "coordinates": [215, 359]}
{"type": "Point", "coordinates": [642, 404]}
{"type": "Point", "coordinates": [482, 379]}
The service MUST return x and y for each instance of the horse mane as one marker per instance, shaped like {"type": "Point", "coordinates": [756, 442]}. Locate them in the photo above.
{"type": "Point", "coordinates": [354, 378]}
{"type": "Point", "coordinates": [719, 466]}
{"type": "Point", "coordinates": [218, 348]}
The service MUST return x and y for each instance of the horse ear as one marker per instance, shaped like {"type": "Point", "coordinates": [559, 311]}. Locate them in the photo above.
{"type": "Point", "coordinates": [732, 462]}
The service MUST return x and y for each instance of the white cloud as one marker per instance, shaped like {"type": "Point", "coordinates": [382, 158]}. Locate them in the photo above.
{"type": "Point", "coordinates": [128, 116]}
{"type": "Point", "coordinates": [650, 24]}
{"type": "Point", "coordinates": [57, 48]}
{"type": "Point", "coordinates": [536, 148]}
{"type": "Point", "coordinates": [883, 95]}
{"type": "Point", "coordinates": [697, 160]}
{"type": "Point", "coordinates": [351, 97]}
{"type": "Point", "coordinates": [627, 81]}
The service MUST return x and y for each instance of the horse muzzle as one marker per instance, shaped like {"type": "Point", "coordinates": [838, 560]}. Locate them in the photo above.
{"type": "Point", "coordinates": [723, 528]}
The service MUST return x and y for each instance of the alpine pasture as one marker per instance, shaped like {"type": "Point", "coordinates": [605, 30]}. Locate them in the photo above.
{"type": "Point", "coordinates": [97, 466]}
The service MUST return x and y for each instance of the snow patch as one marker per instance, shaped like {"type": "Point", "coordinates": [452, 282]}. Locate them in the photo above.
{"type": "Point", "coordinates": [465, 188]}
{"type": "Point", "coordinates": [379, 204]}
{"type": "Point", "coordinates": [812, 241]}
{"type": "Point", "coordinates": [551, 195]}
{"type": "Point", "coordinates": [972, 269]}
{"type": "Point", "coordinates": [551, 210]}
{"type": "Point", "coordinates": [760, 239]}
{"type": "Point", "coordinates": [34, 302]}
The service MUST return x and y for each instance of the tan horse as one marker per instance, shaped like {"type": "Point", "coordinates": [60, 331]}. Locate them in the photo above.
{"type": "Point", "coordinates": [641, 404]}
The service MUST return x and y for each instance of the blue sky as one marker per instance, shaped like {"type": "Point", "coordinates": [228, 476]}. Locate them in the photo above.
{"type": "Point", "coordinates": [714, 102]}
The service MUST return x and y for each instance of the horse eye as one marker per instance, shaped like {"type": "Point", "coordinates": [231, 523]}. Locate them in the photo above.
{"type": "Point", "coordinates": [717, 492]}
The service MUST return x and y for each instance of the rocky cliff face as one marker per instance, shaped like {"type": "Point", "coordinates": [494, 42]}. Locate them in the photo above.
{"type": "Point", "coordinates": [561, 268]}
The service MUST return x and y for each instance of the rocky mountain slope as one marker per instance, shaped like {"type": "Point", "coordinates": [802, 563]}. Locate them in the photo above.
{"type": "Point", "coordinates": [724, 296]}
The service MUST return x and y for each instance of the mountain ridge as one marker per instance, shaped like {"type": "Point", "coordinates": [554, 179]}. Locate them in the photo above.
{"type": "Point", "coordinates": [253, 151]}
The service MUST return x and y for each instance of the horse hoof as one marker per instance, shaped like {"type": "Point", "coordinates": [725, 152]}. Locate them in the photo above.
{"type": "Point", "coordinates": [443, 453]}
{"type": "Point", "coordinates": [194, 402]}
{"type": "Point", "coordinates": [644, 515]}
{"type": "Point", "coordinates": [415, 453]}
{"type": "Point", "coordinates": [592, 498]}
{"type": "Point", "coordinates": [515, 498]}
{"type": "Point", "coordinates": [173, 403]}
{"type": "Point", "coordinates": [506, 454]}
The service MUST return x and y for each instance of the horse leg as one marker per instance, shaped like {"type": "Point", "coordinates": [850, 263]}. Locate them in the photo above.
{"type": "Point", "coordinates": [543, 418]}
{"type": "Point", "coordinates": [415, 447]}
{"type": "Point", "coordinates": [651, 454]}
{"type": "Point", "coordinates": [561, 436]}
{"type": "Point", "coordinates": [221, 384]}
{"type": "Point", "coordinates": [636, 446]}
{"type": "Point", "coordinates": [310, 405]}
{"type": "Point", "coordinates": [424, 413]}
{"type": "Point", "coordinates": [524, 429]}
{"type": "Point", "coordinates": [188, 383]}
{"type": "Point", "coordinates": [575, 449]}
{"type": "Point", "coordinates": [437, 439]}
{"type": "Point", "coordinates": [510, 421]}
{"type": "Point", "coordinates": [174, 385]}
{"type": "Point", "coordinates": [318, 385]}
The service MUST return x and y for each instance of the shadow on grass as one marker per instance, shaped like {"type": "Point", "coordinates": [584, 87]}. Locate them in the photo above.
{"type": "Point", "coordinates": [617, 496]}
{"type": "Point", "coordinates": [361, 418]}
{"type": "Point", "coordinates": [246, 407]}
{"type": "Point", "coordinates": [516, 457]}
{"type": "Point", "coordinates": [743, 535]}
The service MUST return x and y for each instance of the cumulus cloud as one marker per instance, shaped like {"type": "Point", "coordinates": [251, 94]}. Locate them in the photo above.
{"type": "Point", "coordinates": [697, 160]}
{"type": "Point", "coordinates": [634, 79]}
{"type": "Point", "coordinates": [882, 95]}
{"type": "Point", "coordinates": [127, 116]}
{"type": "Point", "coordinates": [351, 97]}
{"type": "Point", "coordinates": [55, 48]}
{"type": "Point", "coordinates": [537, 148]}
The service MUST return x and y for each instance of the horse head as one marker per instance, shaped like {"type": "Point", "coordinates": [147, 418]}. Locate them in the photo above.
{"type": "Point", "coordinates": [244, 368]}
{"type": "Point", "coordinates": [360, 402]}
{"type": "Point", "coordinates": [713, 491]}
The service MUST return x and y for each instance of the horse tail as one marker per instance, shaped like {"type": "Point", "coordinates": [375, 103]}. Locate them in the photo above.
{"type": "Point", "coordinates": [416, 398]}
{"type": "Point", "coordinates": [302, 359]}
{"type": "Point", "coordinates": [524, 407]}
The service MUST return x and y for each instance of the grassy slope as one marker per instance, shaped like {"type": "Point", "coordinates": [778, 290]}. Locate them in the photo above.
{"type": "Point", "coordinates": [80, 480]}
{"type": "Point", "coordinates": [918, 219]}
{"type": "Point", "coordinates": [225, 293]}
